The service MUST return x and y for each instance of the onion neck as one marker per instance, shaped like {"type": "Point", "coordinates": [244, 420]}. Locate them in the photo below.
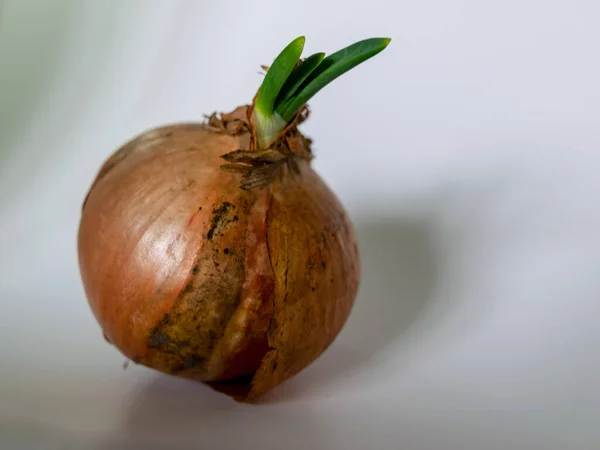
{"type": "Point", "coordinates": [268, 127]}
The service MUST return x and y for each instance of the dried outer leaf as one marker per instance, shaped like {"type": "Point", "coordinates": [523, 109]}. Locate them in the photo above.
{"type": "Point", "coordinates": [292, 164]}
{"type": "Point", "coordinates": [236, 127]}
{"type": "Point", "coordinates": [271, 156]}
{"type": "Point", "coordinates": [252, 131]}
{"type": "Point", "coordinates": [215, 122]}
{"type": "Point", "coordinates": [238, 114]}
{"type": "Point", "coordinates": [299, 146]}
{"type": "Point", "coordinates": [282, 147]}
{"type": "Point", "coordinates": [235, 168]}
{"type": "Point", "coordinates": [253, 157]}
{"type": "Point", "coordinates": [300, 117]}
{"type": "Point", "coordinates": [260, 177]}
{"type": "Point", "coordinates": [233, 123]}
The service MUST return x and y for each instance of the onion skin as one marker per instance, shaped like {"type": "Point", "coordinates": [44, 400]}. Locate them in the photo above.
{"type": "Point", "coordinates": [191, 275]}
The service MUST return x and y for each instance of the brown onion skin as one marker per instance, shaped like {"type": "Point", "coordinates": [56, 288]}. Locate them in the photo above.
{"type": "Point", "coordinates": [190, 275]}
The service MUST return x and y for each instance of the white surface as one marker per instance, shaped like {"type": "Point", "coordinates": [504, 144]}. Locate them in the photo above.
{"type": "Point", "coordinates": [467, 153]}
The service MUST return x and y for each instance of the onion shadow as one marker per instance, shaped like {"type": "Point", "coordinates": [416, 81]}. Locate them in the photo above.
{"type": "Point", "coordinates": [399, 276]}
{"type": "Point", "coordinates": [170, 412]}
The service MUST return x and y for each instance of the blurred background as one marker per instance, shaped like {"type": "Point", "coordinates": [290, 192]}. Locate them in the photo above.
{"type": "Point", "coordinates": [467, 155]}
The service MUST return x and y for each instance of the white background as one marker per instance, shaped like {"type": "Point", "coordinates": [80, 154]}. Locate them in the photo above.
{"type": "Point", "coordinates": [467, 154]}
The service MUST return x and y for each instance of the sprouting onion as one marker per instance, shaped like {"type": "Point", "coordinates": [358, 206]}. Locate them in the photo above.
{"type": "Point", "coordinates": [213, 251]}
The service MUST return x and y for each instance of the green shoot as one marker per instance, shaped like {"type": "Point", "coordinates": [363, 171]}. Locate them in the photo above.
{"type": "Point", "coordinates": [331, 68]}
{"type": "Point", "coordinates": [267, 122]}
{"type": "Point", "coordinates": [297, 77]}
{"type": "Point", "coordinates": [289, 84]}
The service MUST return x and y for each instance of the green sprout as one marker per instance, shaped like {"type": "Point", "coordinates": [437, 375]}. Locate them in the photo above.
{"type": "Point", "coordinates": [290, 82]}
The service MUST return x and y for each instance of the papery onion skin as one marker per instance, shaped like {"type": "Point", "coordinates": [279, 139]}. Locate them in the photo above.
{"type": "Point", "coordinates": [191, 275]}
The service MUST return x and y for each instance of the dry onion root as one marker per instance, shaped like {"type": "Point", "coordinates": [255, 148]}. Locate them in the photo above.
{"type": "Point", "coordinates": [213, 251]}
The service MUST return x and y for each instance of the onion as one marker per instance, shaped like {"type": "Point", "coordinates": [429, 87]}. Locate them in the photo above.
{"type": "Point", "coordinates": [189, 274]}
{"type": "Point", "coordinates": [213, 251]}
